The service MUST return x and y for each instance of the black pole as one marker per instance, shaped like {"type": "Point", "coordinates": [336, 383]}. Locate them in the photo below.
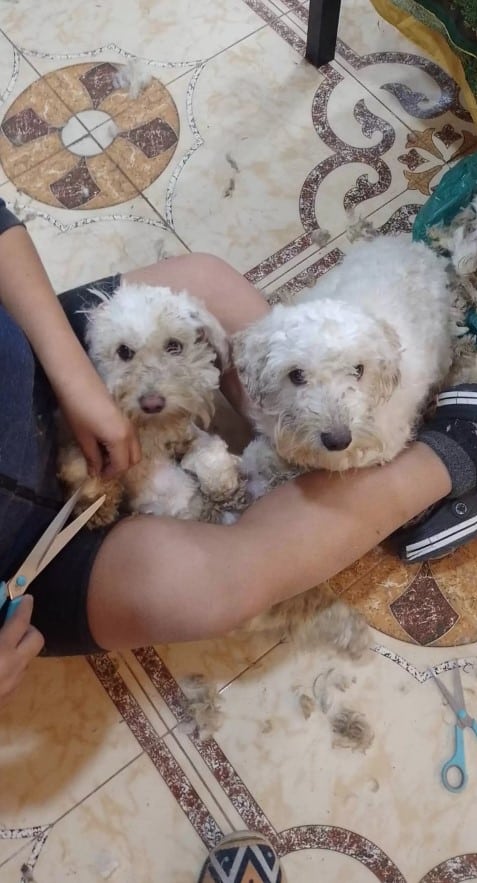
{"type": "Point", "coordinates": [323, 23]}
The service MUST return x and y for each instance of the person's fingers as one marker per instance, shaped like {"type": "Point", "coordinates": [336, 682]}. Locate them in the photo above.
{"type": "Point", "coordinates": [15, 628]}
{"type": "Point", "coordinates": [93, 455]}
{"type": "Point", "coordinates": [135, 451]}
{"type": "Point", "coordinates": [123, 452]}
{"type": "Point", "coordinates": [30, 645]}
{"type": "Point", "coordinates": [118, 460]}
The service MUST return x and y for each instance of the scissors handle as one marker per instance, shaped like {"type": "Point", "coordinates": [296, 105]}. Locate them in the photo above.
{"type": "Point", "coordinates": [7, 605]}
{"type": "Point", "coordinates": [456, 765]}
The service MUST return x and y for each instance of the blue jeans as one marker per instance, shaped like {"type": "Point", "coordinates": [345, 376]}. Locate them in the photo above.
{"type": "Point", "coordinates": [30, 493]}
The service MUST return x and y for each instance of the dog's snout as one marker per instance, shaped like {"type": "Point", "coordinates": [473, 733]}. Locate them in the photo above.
{"type": "Point", "coordinates": [152, 404]}
{"type": "Point", "coordinates": [336, 440]}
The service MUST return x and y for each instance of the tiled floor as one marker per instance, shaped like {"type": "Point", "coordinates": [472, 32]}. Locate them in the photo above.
{"type": "Point", "coordinates": [238, 147]}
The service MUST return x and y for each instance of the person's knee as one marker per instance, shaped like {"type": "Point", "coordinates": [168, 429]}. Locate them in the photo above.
{"type": "Point", "coordinates": [210, 273]}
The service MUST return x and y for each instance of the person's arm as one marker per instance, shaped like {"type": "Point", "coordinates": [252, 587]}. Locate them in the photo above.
{"type": "Point", "coordinates": [26, 293]}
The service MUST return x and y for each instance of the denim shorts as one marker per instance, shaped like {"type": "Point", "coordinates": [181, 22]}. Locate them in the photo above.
{"type": "Point", "coordinates": [30, 493]}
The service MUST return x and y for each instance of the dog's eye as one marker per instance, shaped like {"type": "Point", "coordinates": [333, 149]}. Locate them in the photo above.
{"type": "Point", "coordinates": [297, 377]}
{"type": "Point", "coordinates": [358, 371]}
{"type": "Point", "coordinates": [174, 347]}
{"type": "Point", "coordinates": [125, 353]}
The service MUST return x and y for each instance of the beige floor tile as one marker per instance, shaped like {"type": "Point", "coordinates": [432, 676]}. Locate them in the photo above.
{"type": "Point", "coordinates": [171, 31]}
{"type": "Point", "coordinates": [152, 796]}
{"type": "Point", "coordinates": [80, 246]}
{"type": "Point", "coordinates": [61, 738]}
{"type": "Point", "coordinates": [163, 671]}
{"type": "Point", "coordinates": [300, 781]}
{"type": "Point", "coordinates": [131, 830]}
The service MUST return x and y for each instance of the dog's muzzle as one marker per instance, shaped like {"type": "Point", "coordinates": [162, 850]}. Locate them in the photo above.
{"type": "Point", "coordinates": [336, 440]}
{"type": "Point", "coordinates": [152, 404]}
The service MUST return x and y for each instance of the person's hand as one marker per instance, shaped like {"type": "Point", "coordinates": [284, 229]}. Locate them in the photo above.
{"type": "Point", "coordinates": [106, 437]}
{"type": "Point", "coordinates": [20, 642]}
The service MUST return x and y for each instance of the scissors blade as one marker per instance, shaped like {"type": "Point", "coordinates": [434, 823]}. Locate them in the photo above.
{"type": "Point", "coordinates": [458, 689]}
{"type": "Point", "coordinates": [69, 532]}
{"type": "Point", "coordinates": [448, 696]}
{"type": "Point", "coordinates": [50, 543]}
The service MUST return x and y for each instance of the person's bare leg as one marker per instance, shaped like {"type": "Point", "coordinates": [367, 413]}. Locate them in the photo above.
{"type": "Point", "coordinates": [158, 580]}
{"type": "Point", "coordinates": [224, 292]}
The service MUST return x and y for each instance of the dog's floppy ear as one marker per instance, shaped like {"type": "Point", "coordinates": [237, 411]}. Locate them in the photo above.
{"type": "Point", "coordinates": [210, 331]}
{"type": "Point", "coordinates": [389, 372]}
{"type": "Point", "coordinates": [249, 356]}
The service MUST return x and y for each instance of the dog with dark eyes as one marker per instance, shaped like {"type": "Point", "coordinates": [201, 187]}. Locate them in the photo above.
{"type": "Point", "coordinates": [160, 355]}
{"type": "Point", "coordinates": [339, 380]}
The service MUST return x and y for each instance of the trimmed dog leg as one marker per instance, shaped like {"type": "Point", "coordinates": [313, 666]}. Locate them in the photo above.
{"type": "Point", "coordinates": [217, 470]}
{"type": "Point", "coordinates": [73, 472]}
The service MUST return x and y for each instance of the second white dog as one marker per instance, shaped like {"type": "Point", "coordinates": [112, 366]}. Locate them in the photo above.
{"type": "Point", "coordinates": [340, 379]}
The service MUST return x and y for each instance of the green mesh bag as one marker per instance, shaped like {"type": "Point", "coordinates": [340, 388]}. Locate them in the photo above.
{"type": "Point", "coordinates": [454, 192]}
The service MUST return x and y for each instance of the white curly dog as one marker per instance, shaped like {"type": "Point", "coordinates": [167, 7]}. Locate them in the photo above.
{"type": "Point", "coordinates": [160, 355]}
{"type": "Point", "coordinates": [340, 379]}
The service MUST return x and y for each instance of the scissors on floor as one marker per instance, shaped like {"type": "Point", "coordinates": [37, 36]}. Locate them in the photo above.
{"type": "Point", "coordinates": [52, 541]}
{"type": "Point", "coordinates": [454, 772]}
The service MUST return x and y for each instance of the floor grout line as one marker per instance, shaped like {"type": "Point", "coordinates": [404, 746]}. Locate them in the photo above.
{"type": "Point", "coordinates": [58, 819]}
{"type": "Point", "coordinates": [125, 766]}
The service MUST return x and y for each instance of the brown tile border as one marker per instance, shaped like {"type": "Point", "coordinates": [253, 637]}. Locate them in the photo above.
{"type": "Point", "coordinates": [210, 752]}
{"type": "Point", "coordinates": [454, 870]}
{"type": "Point", "coordinates": [153, 745]}
{"type": "Point", "coordinates": [347, 843]}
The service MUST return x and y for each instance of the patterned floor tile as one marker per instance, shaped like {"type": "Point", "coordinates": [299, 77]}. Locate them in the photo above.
{"type": "Point", "coordinates": [159, 671]}
{"type": "Point", "coordinates": [32, 114]}
{"type": "Point", "coordinates": [352, 804]}
{"type": "Point", "coordinates": [227, 193]}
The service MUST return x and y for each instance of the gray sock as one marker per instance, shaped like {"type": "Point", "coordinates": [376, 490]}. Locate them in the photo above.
{"type": "Point", "coordinates": [452, 435]}
{"type": "Point", "coordinates": [460, 466]}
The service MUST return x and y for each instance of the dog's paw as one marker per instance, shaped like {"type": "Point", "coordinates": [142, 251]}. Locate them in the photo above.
{"type": "Point", "coordinates": [168, 491]}
{"type": "Point", "coordinates": [217, 470]}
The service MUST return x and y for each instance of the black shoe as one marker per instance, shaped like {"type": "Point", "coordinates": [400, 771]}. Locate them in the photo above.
{"type": "Point", "coordinates": [449, 525]}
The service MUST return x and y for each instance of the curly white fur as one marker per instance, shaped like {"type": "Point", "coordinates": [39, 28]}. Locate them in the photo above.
{"type": "Point", "coordinates": [159, 354]}
{"type": "Point", "coordinates": [340, 379]}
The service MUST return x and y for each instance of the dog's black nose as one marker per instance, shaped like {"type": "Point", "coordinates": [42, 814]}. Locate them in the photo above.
{"type": "Point", "coordinates": [152, 404]}
{"type": "Point", "coordinates": [338, 440]}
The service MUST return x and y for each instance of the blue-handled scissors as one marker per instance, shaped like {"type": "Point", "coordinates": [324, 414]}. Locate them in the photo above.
{"type": "Point", "coordinates": [50, 543]}
{"type": "Point", "coordinates": [456, 765]}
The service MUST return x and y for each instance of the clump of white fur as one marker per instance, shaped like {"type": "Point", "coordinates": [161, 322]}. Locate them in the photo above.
{"type": "Point", "coordinates": [339, 380]}
{"type": "Point", "coordinates": [159, 354]}
{"type": "Point", "coordinates": [202, 706]}
{"type": "Point", "coordinates": [134, 76]}
{"type": "Point", "coordinates": [316, 619]}
{"type": "Point", "coordinates": [459, 240]}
